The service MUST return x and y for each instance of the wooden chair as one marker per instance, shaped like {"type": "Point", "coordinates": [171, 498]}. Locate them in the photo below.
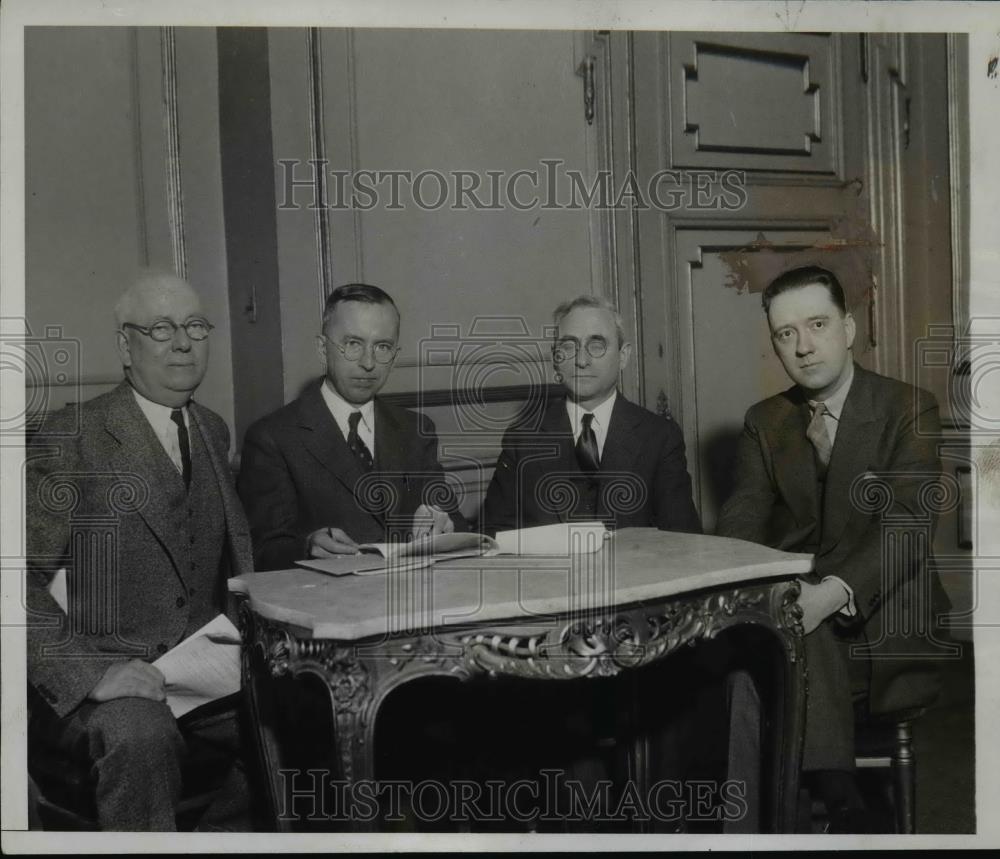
{"type": "Point", "coordinates": [886, 743]}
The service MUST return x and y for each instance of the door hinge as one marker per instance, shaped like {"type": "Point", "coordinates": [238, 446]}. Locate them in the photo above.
{"type": "Point", "coordinates": [587, 70]}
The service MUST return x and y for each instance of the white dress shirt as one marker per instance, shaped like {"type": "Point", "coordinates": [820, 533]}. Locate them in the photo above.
{"type": "Point", "coordinates": [600, 423]}
{"type": "Point", "coordinates": [164, 428]}
{"type": "Point", "coordinates": [342, 410]}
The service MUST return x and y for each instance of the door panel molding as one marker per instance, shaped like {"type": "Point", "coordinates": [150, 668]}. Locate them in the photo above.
{"type": "Point", "coordinates": [709, 129]}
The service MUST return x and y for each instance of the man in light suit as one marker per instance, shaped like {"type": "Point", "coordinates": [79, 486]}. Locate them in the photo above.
{"type": "Point", "coordinates": [625, 464]}
{"type": "Point", "coordinates": [147, 468]}
{"type": "Point", "coordinates": [813, 464]}
{"type": "Point", "coordinates": [338, 467]}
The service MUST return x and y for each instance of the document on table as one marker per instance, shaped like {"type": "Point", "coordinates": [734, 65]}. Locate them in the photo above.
{"type": "Point", "coordinates": [558, 540]}
{"type": "Point", "coordinates": [204, 667]}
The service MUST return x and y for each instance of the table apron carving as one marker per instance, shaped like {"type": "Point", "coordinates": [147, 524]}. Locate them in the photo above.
{"type": "Point", "coordinates": [359, 675]}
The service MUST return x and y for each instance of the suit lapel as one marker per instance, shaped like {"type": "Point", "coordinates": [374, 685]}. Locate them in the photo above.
{"type": "Point", "coordinates": [795, 463]}
{"type": "Point", "coordinates": [236, 528]}
{"type": "Point", "coordinates": [556, 428]}
{"type": "Point", "coordinates": [620, 449]}
{"type": "Point", "coordinates": [140, 453]}
{"type": "Point", "coordinates": [857, 436]}
{"type": "Point", "coordinates": [326, 442]}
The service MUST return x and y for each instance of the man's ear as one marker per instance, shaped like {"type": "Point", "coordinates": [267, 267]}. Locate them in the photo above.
{"type": "Point", "coordinates": [321, 348]}
{"type": "Point", "coordinates": [850, 328]}
{"type": "Point", "coordinates": [124, 350]}
{"type": "Point", "coordinates": [623, 356]}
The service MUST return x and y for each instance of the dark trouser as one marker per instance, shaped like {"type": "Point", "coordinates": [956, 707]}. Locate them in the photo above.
{"type": "Point", "coordinates": [138, 757]}
{"type": "Point", "coordinates": [834, 680]}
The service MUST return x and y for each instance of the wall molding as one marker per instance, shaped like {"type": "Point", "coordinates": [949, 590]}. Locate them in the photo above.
{"type": "Point", "coordinates": [318, 156]}
{"type": "Point", "coordinates": [172, 136]}
{"type": "Point", "coordinates": [458, 397]}
{"type": "Point", "coordinates": [958, 176]}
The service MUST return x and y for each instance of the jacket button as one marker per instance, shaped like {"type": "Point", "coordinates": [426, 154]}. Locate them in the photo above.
{"type": "Point", "coordinates": [162, 648]}
{"type": "Point", "coordinates": [181, 602]}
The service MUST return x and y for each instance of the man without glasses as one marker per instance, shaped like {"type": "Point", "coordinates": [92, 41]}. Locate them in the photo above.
{"type": "Point", "coordinates": [801, 456]}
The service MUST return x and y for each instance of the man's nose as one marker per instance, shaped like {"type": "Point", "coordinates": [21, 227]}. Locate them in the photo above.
{"type": "Point", "coordinates": [804, 344]}
{"type": "Point", "coordinates": [367, 359]}
{"type": "Point", "coordinates": [181, 342]}
{"type": "Point", "coordinates": [583, 358]}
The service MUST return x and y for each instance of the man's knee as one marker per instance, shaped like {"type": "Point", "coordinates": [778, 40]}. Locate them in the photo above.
{"type": "Point", "coordinates": [137, 728]}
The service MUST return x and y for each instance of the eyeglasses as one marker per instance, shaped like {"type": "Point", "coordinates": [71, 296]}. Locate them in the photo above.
{"type": "Point", "coordinates": [196, 329]}
{"type": "Point", "coordinates": [352, 350]}
{"type": "Point", "coordinates": [566, 349]}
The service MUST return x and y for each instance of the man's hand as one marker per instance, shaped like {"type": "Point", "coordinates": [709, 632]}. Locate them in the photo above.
{"type": "Point", "coordinates": [820, 601]}
{"type": "Point", "coordinates": [330, 541]}
{"type": "Point", "coordinates": [430, 520]}
{"type": "Point", "coordinates": [132, 679]}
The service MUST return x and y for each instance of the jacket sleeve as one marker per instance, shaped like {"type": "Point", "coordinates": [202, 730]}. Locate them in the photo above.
{"type": "Point", "coordinates": [271, 502]}
{"type": "Point", "coordinates": [675, 510]}
{"type": "Point", "coordinates": [747, 511]}
{"type": "Point", "coordinates": [500, 509]}
{"type": "Point", "coordinates": [436, 491]}
{"type": "Point", "coordinates": [63, 664]}
{"type": "Point", "coordinates": [906, 485]}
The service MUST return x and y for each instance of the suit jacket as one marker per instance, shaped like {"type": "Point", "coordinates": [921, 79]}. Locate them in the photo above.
{"type": "Point", "coordinates": [643, 479]}
{"type": "Point", "coordinates": [884, 457]}
{"type": "Point", "coordinates": [297, 475]}
{"type": "Point", "coordinates": [99, 465]}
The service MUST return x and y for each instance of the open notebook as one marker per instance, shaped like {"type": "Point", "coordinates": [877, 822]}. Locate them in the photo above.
{"type": "Point", "coordinates": [559, 540]}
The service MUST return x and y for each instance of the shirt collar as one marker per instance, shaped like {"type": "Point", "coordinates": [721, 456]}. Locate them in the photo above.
{"type": "Point", "coordinates": [342, 410]}
{"type": "Point", "coordinates": [157, 414]}
{"type": "Point", "coordinates": [835, 402]}
{"type": "Point", "coordinates": [602, 413]}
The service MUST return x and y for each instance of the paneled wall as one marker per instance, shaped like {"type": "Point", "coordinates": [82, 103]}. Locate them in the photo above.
{"type": "Point", "coordinates": [122, 171]}
{"type": "Point", "coordinates": [475, 288]}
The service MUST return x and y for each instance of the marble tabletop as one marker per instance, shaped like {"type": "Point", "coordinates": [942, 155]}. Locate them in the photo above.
{"type": "Point", "coordinates": [633, 565]}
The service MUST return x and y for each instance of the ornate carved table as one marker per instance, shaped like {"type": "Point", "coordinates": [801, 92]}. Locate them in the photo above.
{"type": "Point", "coordinates": [642, 596]}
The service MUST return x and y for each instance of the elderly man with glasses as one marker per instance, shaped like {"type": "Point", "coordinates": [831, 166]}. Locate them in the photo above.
{"type": "Point", "coordinates": [131, 495]}
{"type": "Point", "coordinates": [338, 467]}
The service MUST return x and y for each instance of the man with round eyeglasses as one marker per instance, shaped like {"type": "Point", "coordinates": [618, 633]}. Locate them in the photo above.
{"type": "Point", "coordinates": [150, 465]}
{"type": "Point", "coordinates": [608, 447]}
{"type": "Point", "coordinates": [339, 467]}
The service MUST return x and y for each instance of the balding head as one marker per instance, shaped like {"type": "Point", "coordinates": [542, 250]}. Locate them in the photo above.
{"type": "Point", "coordinates": [168, 371]}
{"type": "Point", "coordinates": [151, 289]}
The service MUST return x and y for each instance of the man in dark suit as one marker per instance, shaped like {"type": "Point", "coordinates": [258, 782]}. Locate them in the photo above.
{"type": "Point", "coordinates": [338, 467]}
{"type": "Point", "coordinates": [824, 467]}
{"type": "Point", "coordinates": [131, 494]}
{"type": "Point", "coordinates": [593, 455]}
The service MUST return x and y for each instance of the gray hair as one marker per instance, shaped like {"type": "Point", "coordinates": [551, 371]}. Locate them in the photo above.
{"type": "Point", "coordinates": [594, 301]}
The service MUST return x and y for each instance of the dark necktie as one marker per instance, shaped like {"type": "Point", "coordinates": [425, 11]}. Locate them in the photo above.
{"type": "Point", "coordinates": [820, 437]}
{"type": "Point", "coordinates": [356, 443]}
{"type": "Point", "coordinates": [177, 416]}
{"type": "Point", "coordinates": [586, 447]}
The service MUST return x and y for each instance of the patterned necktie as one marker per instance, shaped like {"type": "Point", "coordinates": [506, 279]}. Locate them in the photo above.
{"type": "Point", "coordinates": [357, 444]}
{"type": "Point", "coordinates": [177, 416]}
{"type": "Point", "coordinates": [586, 447]}
{"type": "Point", "coordinates": [820, 438]}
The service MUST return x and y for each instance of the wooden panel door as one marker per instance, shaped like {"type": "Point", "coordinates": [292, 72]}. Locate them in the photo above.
{"type": "Point", "coordinates": [772, 108]}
